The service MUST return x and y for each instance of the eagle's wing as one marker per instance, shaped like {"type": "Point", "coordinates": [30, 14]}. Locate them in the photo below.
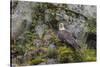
{"type": "Point", "coordinates": [68, 38]}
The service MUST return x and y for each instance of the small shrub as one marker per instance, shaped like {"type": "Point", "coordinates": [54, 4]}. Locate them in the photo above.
{"type": "Point", "coordinates": [90, 55]}
{"type": "Point", "coordinates": [78, 56]}
{"type": "Point", "coordinates": [36, 61]}
{"type": "Point", "coordinates": [65, 55]}
{"type": "Point", "coordinates": [52, 52]}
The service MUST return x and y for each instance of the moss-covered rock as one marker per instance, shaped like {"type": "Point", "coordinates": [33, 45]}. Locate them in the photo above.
{"type": "Point", "coordinates": [36, 61]}
{"type": "Point", "coordinates": [90, 55]}
{"type": "Point", "coordinates": [65, 55]}
{"type": "Point", "coordinates": [52, 52]}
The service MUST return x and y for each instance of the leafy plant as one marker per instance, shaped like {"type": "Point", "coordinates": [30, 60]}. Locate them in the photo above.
{"type": "Point", "coordinates": [65, 55]}
{"type": "Point", "coordinates": [36, 61]}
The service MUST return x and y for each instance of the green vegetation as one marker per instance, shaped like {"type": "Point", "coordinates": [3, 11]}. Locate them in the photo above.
{"type": "Point", "coordinates": [90, 55]}
{"type": "Point", "coordinates": [91, 24]}
{"type": "Point", "coordinates": [36, 61]}
{"type": "Point", "coordinates": [65, 55]}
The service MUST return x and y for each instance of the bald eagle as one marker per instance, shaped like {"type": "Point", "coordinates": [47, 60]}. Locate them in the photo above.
{"type": "Point", "coordinates": [67, 37]}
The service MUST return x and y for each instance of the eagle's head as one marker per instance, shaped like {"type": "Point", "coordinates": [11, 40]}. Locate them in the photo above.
{"type": "Point", "coordinates": [61, 26]}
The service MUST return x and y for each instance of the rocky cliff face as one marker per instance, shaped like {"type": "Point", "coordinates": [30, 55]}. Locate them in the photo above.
{"type": "Point", "coordinates": [74, 21]}
{"type": "Point", "coordinates": [21, 17]}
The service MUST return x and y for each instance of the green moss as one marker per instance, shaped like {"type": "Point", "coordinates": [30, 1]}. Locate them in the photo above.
{"type": "Point", "coordinates": [43, 54]}
{"type": "Point", "coordinates": [78, 56]}
{"type": "Point", "coordinates": [52, 52]}
{"type": "Point", "coordinates": [44, 48]}
{"type": "Point", "coordinates": [65, 55]}
{"type": "Point", "coordinates": [90, 55]}
{"type": "Point", "coordinates": [91, 24]}
{"type": "Point", "coordinates": [36, 61]}
{"type": "Point", "coordinates": [64, 49]}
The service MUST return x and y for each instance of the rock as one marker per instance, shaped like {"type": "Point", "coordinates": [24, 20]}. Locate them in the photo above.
{"type": "Point", "coordinates": [51, 61]}
{"type": "Point", "coordinates": [52, 51]}
{"type": "Point", "coordinates": [37, 42]}
{"type": "Point", "coordinates": [43, 63]}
